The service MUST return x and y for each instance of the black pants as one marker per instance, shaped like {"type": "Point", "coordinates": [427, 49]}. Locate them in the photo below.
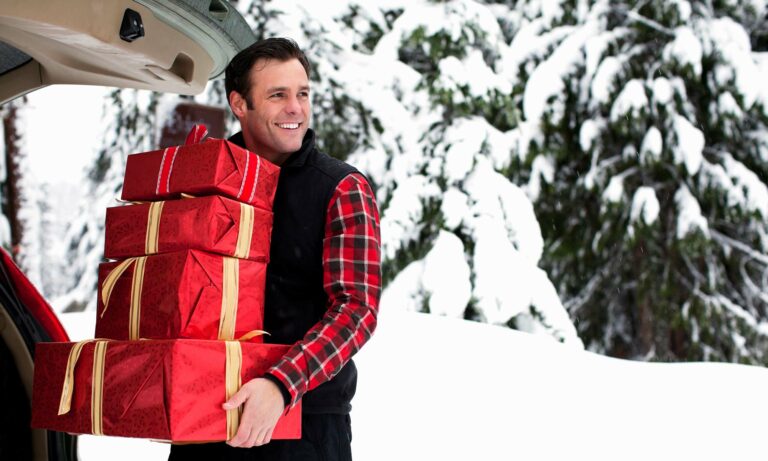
{"type": "Point", "coordinates": [323, 438]}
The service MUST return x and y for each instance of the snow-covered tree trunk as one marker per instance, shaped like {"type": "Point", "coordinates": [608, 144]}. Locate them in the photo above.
{"type": "Point", "coordinates": [12, 128]}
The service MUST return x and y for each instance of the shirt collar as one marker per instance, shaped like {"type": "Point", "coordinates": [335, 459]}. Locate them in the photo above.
{"type": "Point", "coordinates": [296, 159]}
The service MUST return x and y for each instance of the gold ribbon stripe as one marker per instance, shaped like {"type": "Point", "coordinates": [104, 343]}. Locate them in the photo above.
{"type": "Point", "coordinates": [97, 388]}
{"type": "Point", "coordinates": [137, 283]}
{"type": "Point", "coordinates": [153, 228]}
{"type": "Point", "coordinates": [136, 287]}
{"type": "Point", "coordinates": [245, 232]}
{"type": "Point", "coordinates": [67, 389]}
{"type": "Point", "coordinates": [109, 282]}
{"type": "Point", "coordinates": [97, 383]}
{"type": "Point", "coordinates": [234, 361]}
{"type": "Point", "coordinates": [229, 294]}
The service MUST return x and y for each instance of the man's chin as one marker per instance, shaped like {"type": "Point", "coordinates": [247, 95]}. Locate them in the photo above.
{"type": "Point", "coordinates": [294, 140]}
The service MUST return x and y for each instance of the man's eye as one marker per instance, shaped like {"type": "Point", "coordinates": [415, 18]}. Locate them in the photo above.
{"type": "Point", "coordinates": [304, 94]}
{"type": "Point", "coordinates": [276, 95]}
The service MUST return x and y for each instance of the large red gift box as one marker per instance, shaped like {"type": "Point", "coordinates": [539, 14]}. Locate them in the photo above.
{"type": "Point", "coordinates": [211, 167]}
{"type": "Point", "coordinates": [158, 389]}
{"type": "Point", "coordinates": [184, 294]}
{"type": "Point", "coordinates": [213, 223]}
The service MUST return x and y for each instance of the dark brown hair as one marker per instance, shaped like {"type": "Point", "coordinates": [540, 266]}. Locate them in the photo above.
{"type": "Point", "coordinates": [236, 76]}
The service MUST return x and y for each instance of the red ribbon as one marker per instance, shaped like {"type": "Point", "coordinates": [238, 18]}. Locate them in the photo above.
{"type": "Point", "coordinates": [250, 177]}
{"type": "Point", "coordinates": [196, 134]}
{"type": "Point", "coordinates": [166, 166]}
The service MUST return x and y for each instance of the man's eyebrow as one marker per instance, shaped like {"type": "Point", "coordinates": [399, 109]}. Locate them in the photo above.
{"type": "Point", "coordinates": [285, 88]}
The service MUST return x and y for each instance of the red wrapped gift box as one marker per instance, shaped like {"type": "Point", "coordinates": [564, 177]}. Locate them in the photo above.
{"type": "Point", "coordinates": [164, 389]}
{"type": "Point", "coordinates": [211, 167]}
{"type": "Point", "coordinates": [184, 294]}
{"type": "Point", "coordinates": [215, 224]}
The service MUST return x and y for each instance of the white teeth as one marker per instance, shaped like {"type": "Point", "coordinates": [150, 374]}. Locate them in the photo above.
{"type": "Point", "coordinates": [290, 126]}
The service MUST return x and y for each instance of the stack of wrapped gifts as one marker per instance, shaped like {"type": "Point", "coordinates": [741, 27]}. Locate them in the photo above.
{"type": "Point", "coordinates": [180, 310]}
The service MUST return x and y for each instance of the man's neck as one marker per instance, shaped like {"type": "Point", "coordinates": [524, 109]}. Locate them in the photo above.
{"type": "Point", "coordinates": [273, 157]}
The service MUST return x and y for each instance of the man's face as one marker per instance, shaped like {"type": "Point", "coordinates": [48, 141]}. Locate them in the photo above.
{"type": "Point", "coordinates": [278, 117]}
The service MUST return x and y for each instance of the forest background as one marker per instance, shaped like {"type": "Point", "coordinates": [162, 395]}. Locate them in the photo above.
{"type": "Point", "coordinates": [591, 171]}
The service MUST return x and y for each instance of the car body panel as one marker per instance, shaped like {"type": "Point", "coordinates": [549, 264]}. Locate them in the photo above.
{"type": "Point", "coordinates": [25, 319]}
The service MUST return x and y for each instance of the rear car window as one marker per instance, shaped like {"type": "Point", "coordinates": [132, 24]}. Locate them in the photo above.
{"type": "Point", "coordinates": [11, 58]}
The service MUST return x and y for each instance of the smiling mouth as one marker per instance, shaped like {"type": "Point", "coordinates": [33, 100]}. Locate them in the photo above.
{"type": "Point", "coordinates": [289, 126]}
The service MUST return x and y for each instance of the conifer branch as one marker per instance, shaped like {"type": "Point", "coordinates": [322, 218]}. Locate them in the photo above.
{"type": "Point", "coordinates": [754, 254]}
{"type": "Point", "coordinates": [634, 16]}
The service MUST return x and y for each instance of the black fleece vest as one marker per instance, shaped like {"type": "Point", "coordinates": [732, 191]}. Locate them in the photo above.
{"type": "Point", "coordinates": [294, 298]}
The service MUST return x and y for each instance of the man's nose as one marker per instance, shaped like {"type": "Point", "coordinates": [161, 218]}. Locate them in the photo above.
{"type": "Point", "coordinates": [294, 105]}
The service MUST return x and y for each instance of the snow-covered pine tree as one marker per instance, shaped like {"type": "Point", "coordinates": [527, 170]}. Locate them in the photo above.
{"type": "Point", "coordinates": [396, 94]}
{"type": "Point", "coordinates": [644, 147]}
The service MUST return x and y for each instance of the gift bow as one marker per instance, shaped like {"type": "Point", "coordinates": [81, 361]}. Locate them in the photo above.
{"type": "Point", "coordinates": [229, 294]}
{"type": "Point", "coordinates": [232, 380]}
{"type": "Point", "coordinates": [196, 134]}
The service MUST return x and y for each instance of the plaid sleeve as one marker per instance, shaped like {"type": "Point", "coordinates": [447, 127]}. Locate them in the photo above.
{"type": "Point", "coordinates": [352, 280]}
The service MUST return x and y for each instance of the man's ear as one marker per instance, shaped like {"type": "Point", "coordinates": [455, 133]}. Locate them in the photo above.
{"type": "Point", "coordinates": [238, 104]}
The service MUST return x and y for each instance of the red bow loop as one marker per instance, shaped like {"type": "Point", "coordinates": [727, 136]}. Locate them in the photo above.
{"type": "Point", "coordinates": [196, 134]}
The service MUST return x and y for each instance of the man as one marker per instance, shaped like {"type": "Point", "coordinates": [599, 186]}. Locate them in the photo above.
{"type": "Point", "coordinates": [323, 279]}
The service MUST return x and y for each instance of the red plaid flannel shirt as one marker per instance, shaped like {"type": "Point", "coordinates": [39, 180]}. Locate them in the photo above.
{"type": "Point", "coordinates": [352, 279]}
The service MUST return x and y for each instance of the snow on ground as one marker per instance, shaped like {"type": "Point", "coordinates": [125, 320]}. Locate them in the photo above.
{"type": "Point", "coordinates": [432, 387]}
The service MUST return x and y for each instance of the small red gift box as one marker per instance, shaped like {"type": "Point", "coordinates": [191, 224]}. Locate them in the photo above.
{"type": "Point", "coordinates": [158, 389]}
{"type": "Point", "coordinates": [210, 167]}
{"type": "Point", "coordinates": [216, 224]}
{"type": "Point", "coordinates": [184, 294]}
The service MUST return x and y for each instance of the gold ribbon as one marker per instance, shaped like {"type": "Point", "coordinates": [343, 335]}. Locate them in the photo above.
{"type": "Point", "coordinates": [136, 286]}
{"type": "Point", "coordinates": [252, 334]}
{"type": "Point", "coordinates": [245, 232]}
{"type": "Point", "coordinates": [234, 357]}
{"type": "Point", "coordinates": [97, 383]}
{"type": "Point", "coordinates": [153, 228]}
{"type": "Point", "coordinates": [97, 387]}
{"type": "Point", "coordinates": [229, 294]}
{"type": "Point", "coordinates": [65, 403]}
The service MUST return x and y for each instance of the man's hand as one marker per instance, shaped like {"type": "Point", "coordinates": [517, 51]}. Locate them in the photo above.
{"type": "Point", "coordinates": [263, 407]}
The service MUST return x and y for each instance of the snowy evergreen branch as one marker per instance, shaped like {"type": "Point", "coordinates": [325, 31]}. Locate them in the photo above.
{"type": "Point", "coordinates": [749, 251]}
{"type": "Point", "coordinates": [634, 16]}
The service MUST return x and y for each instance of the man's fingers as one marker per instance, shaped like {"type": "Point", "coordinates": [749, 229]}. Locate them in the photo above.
{"type": "Point", "coordinates": [252, 439]}
{"type": "Point", "coordinates": [237, 399]}
{"type": "Point", "coordinates": [262, 405]}
{"type": "Point", "coordinates": [242, 436]}
{"type": "Point", "coordinates": [268, 437]}
{"type": "Point", "coordinates": [262, 438]}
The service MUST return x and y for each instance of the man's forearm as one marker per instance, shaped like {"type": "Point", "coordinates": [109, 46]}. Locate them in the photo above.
{"type": "Point", "coordinates": [352, 280]}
